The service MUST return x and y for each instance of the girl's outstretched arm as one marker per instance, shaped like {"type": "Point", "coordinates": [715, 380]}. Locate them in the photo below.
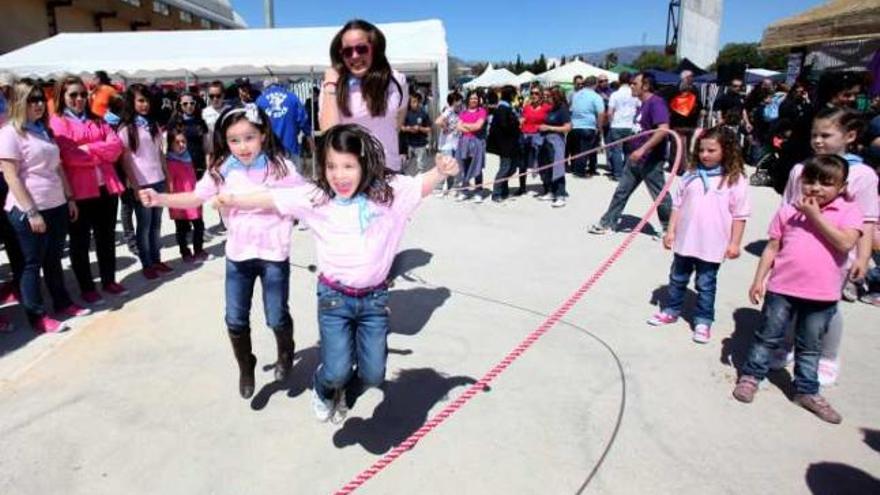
{"type": "Point", "coordinates": [258, 200]}
{"type": "Point", "coordinates": [444, 166]}
{"type": "Point", "coordinates": [150, 198]}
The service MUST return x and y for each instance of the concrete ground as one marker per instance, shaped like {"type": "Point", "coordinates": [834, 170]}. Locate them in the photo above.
{"type": "Point", "coordinates": [141, 397]}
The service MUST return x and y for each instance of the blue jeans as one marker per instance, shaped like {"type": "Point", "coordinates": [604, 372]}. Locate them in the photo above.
{"type": "Point", "coordinates": [149, 226]}
{"type": "Point", "coordinates": [811, 320]}
{"type": "Point", "coordinates": [275, 281]}
{"type": "Point", "coordinates": [354, 332]}
{"type": "Point", "coordinates": [680, 275]}
{"type": "Point", "coordinates": [616, 158]}
{"type": "Point", "coordinates": [651, 172]}
{"type": "Point", "coordinates": [506, 167]}
{"type": "Point", "coordinates": [42, 251]}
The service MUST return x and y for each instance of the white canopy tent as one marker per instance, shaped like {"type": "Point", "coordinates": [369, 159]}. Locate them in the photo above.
{"type": "Point", "coordinates": [491, 78]}
{"type": "Point", "coordinates": [566, 73]}
{"type": "Point", "coordinates": [415, 48]}
{"type": "Point", "coordinates": [524, 78]}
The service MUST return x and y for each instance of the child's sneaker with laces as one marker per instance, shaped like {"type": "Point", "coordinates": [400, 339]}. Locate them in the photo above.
{"type": "Point", "coordinates": [702, 333]}
{"type": "Point", "coordinates": [46, 324]}
{"type": "Point", "coordinates": [323, 408]}
{"type": "Point", "coordinates": [115, 289]}
{"type": "Point", "coordinates": [92, 297]}
{"type": "Point", "coordinates": [341, 410]}
{"type": "Point", "coordinates": [661, 318]}
{"type": "Point", "coordinates": [817, 405]}
{"type": "Point", "coordinates": [745, 389]}
{"type": "Point", "coordinates": [74, 310]}
{"type": "Point", "coordinates": [828, 371]}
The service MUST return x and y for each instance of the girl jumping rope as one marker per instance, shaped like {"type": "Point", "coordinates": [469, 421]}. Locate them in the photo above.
{"type": "Point", "coordinates": [182, 178]}
{"type": "Point", "coordinates": [357, 210]}
{"type": "Point", "coordinates": [710, 205]}
{"type": "Point", "coordinates": [258, 241]}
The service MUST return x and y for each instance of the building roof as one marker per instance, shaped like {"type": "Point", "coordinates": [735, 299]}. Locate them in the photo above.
{"type": "Point", "coordinates": [219, 11]}
{"type": "Point", "coordinates": [836, 20]}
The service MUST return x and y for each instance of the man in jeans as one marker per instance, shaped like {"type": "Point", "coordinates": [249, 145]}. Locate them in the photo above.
{"type": "Point", "coordinates": [645, 162]}
{"type": "Point", "coordinates": [622, 108]}
{"type": "Point", "coordinates": [587, 115]}
{"type": "Point", "coordinates": [416, 128]}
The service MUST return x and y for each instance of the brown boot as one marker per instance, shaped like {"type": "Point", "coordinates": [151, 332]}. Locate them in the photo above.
{"type": "Point", "coordinates": [286, 348]}
{"type": "Point", "coordinates": [247, 362]}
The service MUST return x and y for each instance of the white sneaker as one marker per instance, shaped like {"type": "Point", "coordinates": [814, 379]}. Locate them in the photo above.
{"type": "Point", "coordinates": [478, 199]}
{"type": "Point", "coordinates": [341, 410]}
{"type": "Point", "coordinates": [459, 197]}
{"type": "Point", "coordinates": [828, 372]}
{"type": "Point", "coordinates": [702, 333]}
{"type": "Point", "coordinates": [780, 359]}
{"type": "Point", "coordinates": [558, 203]}
{"type": "Point", "coordinates": [546, 197]}
{"type": "Point", "coordinates": [532, 192]}
{"type": "Point", "coordinates": [323, 408]}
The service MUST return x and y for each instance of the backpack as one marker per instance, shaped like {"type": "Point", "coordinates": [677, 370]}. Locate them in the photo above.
{"type": "Point", "coordinates": [771, 110]}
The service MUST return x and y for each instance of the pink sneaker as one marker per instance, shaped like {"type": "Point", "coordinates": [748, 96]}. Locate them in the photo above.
{"type": "Point", "coordinates": [46, 324]}
{"type": "Point", "coordinates": [8, 294]}
{"type": "Point", "coordinates": [115, 289]}
{"type": "Point", "coordinates": [162, 268]}
{"type": "Point", "coordinates": [661, 318]}
{"type": "Point", "coordinates": [828, 371]}
{"type": "Point", "coordinates": [702, 333]}
{"type": "Point", "coordinates": [73, 311]}
{"type": "Point", "coordinates": [92, 297]}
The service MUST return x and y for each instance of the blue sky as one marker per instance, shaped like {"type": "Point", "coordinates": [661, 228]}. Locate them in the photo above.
{"type": "Point", "coordinates": [498, 30]}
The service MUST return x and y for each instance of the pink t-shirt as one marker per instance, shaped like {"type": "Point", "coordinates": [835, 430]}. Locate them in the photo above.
{"type": "Point", "coordinates": [807, 266]}
{"type": "Point", "coordinates": [383, 127]}
{"type": "Point", "coordinates": [705, 217]}
{"type": "Point", "coordinates": [38, 161]}
{"type": "Point", "coordinates": [345, 253]}
{"type": "Point", "coordinates": [147, 161]}
{"type": "Point", "coordinates": [257, 233]}
{"type": "Point", "coordinates": [468, 116]}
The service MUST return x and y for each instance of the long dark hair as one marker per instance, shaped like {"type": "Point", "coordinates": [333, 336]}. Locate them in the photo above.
{"type": "Point", "coordinates": [178, 115]}
{"type": "Point", "coordinates": [274, 153]}
{"type": "Point", "coordinates": [354, 139]}
{"type": "Point", "coordinates": [379, 77]}
{"type": "Point", "coordinates": [61, 90]}
{"type": "Point", "coordinates": [127, 119]}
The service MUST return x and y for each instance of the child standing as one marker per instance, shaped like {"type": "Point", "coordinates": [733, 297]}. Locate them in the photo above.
{"type": "Point", "coordinates": [357, 211]}
{"type": "Point", "coordinates": [804, 257]}
{"type": "Point", "coordinates": [182, 178]}
{"type": "Point", "coordinates": [710, 205]}
{"type": "Point", "coordinates": [835, 130]}
{"type": "Point", "coordinates": [447, 143]}
{"type": "Point", "coordinates": [258, 242]}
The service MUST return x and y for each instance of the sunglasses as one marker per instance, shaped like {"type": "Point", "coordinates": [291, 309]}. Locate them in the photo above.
{"type": "Point", "coordinates": [349, 51]}
{"type": "Point", "coordinates": [76, 94]}
{"type": "Point", "coordinates": [36, 99]}
{"type": "Point", "coordinates": [187, 103]}
{"type": "Point", "coordinates": [215, 96]}
{"type": "Point", "coordinates": [535, 93]}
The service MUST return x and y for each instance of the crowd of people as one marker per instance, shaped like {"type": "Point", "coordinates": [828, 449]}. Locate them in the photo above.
{"type": "Point", "coordinates": [75, 156]}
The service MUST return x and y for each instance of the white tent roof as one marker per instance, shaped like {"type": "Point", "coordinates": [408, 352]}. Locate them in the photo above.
{"type": "Point", "coordinates": [566, 73]}
{"type": "Point", "coordinates": [491, 78]}
{"type": "Point", "coordinates": [524, 78]}
{"type": "Point", "coordinates": [413, 47]}
{"type": "Point", "coordinates": [763, 72]}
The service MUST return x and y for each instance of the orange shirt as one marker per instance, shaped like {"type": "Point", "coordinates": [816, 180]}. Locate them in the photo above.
{"type": "Point", "coordinates": [101, 99]}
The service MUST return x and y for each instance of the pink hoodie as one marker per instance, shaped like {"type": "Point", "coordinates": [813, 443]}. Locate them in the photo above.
{"type": "Point", "coordinates": [83, 168]}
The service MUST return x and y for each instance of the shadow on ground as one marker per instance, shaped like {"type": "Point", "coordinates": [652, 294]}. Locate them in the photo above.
{"type": "Point", "coordinates": [404, 408]}
{"type": "Point", "coordinates": [756, 247]}
{"type": "Point", "coordinates": [305, 362]}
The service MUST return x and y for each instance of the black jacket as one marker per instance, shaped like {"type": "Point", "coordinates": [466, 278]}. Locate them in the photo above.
{"type": "Point", "coordinates": [504, 132]}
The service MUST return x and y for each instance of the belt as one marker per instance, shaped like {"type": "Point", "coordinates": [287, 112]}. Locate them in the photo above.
{"type": "Point", "coordinates": [351, 291]}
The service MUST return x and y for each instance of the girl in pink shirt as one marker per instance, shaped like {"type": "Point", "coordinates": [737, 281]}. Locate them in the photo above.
{"type": "Point", "coordinates": [182, 178]}
{"type": "Point", "coordinates": [357, 211]}
{"type": "Point", "coordinates": [710, 207]}
{"type": "Point", "coordinates": [248, 160]}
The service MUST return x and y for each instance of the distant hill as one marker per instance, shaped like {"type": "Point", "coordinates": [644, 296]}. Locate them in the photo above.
{"type": "Point", "coordinates": [625, 54]}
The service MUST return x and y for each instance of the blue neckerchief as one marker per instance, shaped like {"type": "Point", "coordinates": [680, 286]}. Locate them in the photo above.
{"type": "Point", "coordinates": [853, 159]}
{"type": "Point", "coordinates": [503, 103]}
{"type": "Point", "coordinates": [70, 113]}
{"type": "Point", "coordinates": [141, 121]}
{"type": "Point", "coordinates": [703, 173]}
{"type": "Point", "coordinates": [233, 163]}
{"type": "Point", "coordinates": [111, 119]}
{"type": "Point", "coordinates": [364, 215]}
{"type": "Point", "coordinates": [39, 129]}
{"type": "Point", "coordinates": [354, 82]}
{"type": "Point", "coordinates": [180, 157]}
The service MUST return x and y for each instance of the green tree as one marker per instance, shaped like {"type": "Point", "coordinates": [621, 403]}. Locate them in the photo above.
{"type": "Point", "coordinates": [610, 60]}
{"type": "Point", "coordinates": [518, 66]}
{"type": "Point", "coordinates": [751, 56]}
{"type": "Point", "coordinates": [539, 65]}
{"type": "Point", "coordinates": [654, 60]}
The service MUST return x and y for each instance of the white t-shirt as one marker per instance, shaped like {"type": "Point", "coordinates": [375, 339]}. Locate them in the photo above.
{"type": "Point", "coordinates": [625, 107]}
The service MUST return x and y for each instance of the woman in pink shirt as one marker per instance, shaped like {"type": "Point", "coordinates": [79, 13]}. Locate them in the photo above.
{"type": "Point", "coordinates": [39, 204]}
{"type": "Point", "coordinates": [471, 152]}
{"type": "Point", "coordinates": [357, 211]}
{"type": "Point", "coordinates": [709, 210]}
{"type": "Point", "coordinates": [361, 88]}
{"type": "Point", "coordinates": [248, 160]}
{"type": "Point", "coordinates": [89, 150]}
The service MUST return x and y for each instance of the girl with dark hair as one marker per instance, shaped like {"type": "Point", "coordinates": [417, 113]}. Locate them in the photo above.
{"type": "Point", "coordinates": [182, 178]}
{"type": "Point", "coordinates": [39, 204]}
{"type": "Point", "coordinates": [471, 152]}
{"type": "Point", "coordinates": [248, 159]}
{"type": "Point", "coordinates": [89, 150]}
{"type": "Point", "coordinates": [144, 165]}
{"type": "Point", "coordinates": [357, 211]}
{"type": "Point", "coordinates": [555, 126]}
{"type": "Point", "coordinates": [361, 88]}
{"type": "Point", "coordinates": [188, 115]}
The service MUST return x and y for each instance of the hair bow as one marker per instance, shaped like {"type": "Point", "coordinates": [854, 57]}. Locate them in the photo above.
{"type": "Point", "coordinates": [252, 113]}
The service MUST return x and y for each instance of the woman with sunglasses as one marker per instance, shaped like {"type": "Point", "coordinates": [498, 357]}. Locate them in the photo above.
{"type": "Point", "coordinates": [534, 115]}
{"type": "Point", "coordinates": [89, 150]}
{"type": "Point", "coordinates": [361, 88]}
{"type": "Point", "coordinates": [39, 204]}
{"type": "Point", "coordinates": [188, 116]}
